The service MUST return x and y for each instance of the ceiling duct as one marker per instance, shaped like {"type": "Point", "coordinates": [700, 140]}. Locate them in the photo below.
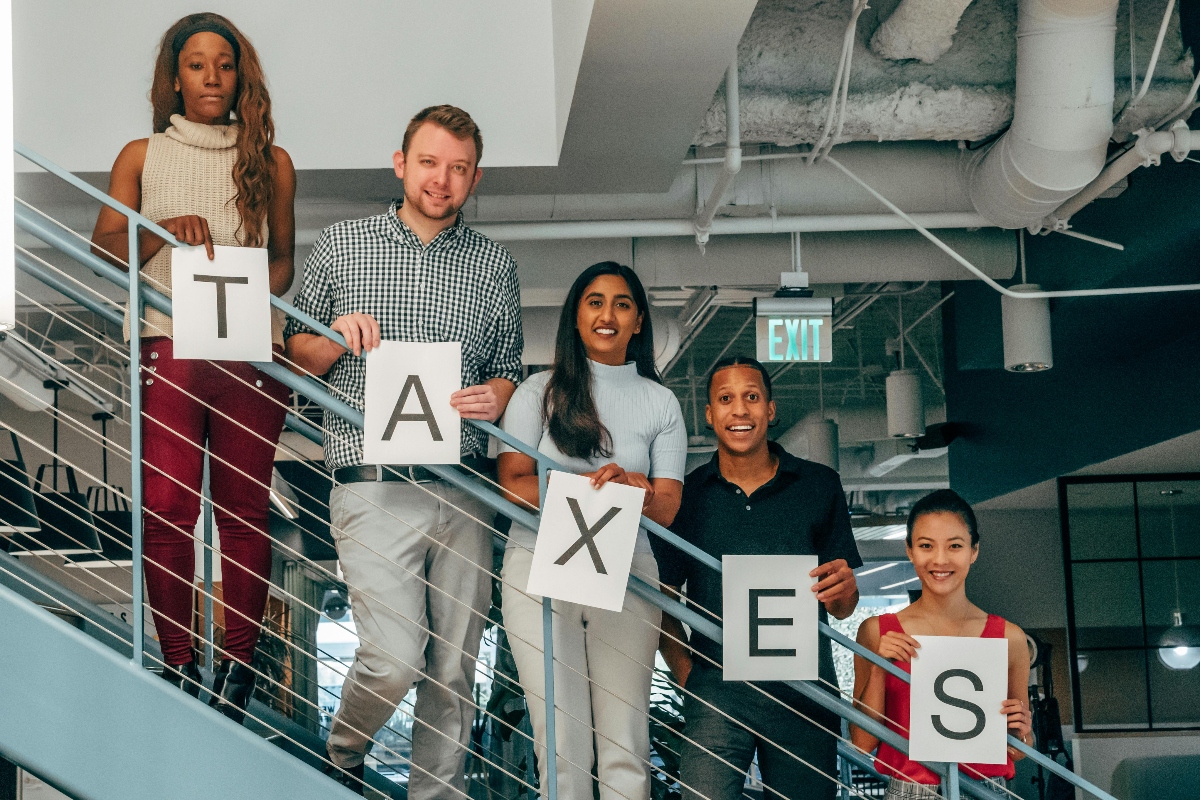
{"type": "Point", "coordinates": [1062, 115]}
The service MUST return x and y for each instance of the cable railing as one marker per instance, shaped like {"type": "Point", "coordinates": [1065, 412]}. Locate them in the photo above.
{"type": "Point", "coordinates": [477, 485]}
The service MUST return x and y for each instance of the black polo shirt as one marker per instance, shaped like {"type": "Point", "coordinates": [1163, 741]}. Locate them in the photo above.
{"type": "Point", "coordinates": [800, 511]}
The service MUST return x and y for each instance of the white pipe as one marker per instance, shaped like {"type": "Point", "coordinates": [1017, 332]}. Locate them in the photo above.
{"type": "Point", "coordinates": [627, 228]}
{"type": "Point", "coordinates": [1146, 152]}
{"type": "Point", "coordinates": [733, 156]}
{"type": "Point", "coordinates": [978, 273]}
{"type": "Point", "coordinates": [1062, 116]}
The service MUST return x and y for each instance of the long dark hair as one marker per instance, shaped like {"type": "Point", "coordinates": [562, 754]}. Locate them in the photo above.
{"type": "Point", "coordinates": [568, 405]}
{"type": "Point", "coordinates": [253, 170]}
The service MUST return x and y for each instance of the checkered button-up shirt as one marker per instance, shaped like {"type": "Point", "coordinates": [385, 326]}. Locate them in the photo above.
{"type": "Point", "coordinates": [461, 287]}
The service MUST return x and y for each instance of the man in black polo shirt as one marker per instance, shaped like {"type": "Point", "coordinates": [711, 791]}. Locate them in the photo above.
{"type": "Point", "coordinates": [754, 498]}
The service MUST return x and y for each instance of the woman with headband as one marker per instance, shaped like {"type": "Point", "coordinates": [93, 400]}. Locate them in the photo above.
{"type": "Point", "coordinates": [210, 175]}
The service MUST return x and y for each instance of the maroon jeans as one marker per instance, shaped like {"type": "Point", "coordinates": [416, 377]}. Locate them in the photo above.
{"type": "Point", "coordinates": [176, 396]}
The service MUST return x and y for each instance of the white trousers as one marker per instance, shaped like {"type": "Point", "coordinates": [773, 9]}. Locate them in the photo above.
{"type": "Point", "coordinates": [602, 669]}
{"type": "Point", "coordinates": [413, 563]}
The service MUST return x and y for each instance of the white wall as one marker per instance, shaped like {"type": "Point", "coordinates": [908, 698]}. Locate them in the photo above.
{"type": "Point", "coordinates": [344, 77]}
{"type": "Point", "coordinates": [1019, 574]}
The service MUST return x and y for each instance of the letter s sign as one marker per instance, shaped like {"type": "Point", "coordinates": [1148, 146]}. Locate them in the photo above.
{"type": "Point", "coordinates": [939, 691]}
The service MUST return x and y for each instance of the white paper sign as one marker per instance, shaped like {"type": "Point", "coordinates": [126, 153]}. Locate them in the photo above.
{"type": "Point", "coordinates": [769, 616]}
{"type": "Point", "coordinates": [409, 419]}
{"type": "Point", "coordinates": [585, 541]}
{"type": "Point", "coordinates": [221, 309]}
{"type": "Point", "coordinates": [958, 686]}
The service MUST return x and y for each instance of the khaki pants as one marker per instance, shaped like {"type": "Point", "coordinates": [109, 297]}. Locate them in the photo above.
{"type": "Point", "coordinates": [616, 651]}
{"type": "Point", "coordinates": [413, 564]}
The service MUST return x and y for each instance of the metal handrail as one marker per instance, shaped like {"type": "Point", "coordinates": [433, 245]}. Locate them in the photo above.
{"type": "Point", "coordinates": [311, 389]}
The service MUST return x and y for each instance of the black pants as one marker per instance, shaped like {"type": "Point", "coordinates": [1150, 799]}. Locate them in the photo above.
{"type": "Point", "coordinates": [746, 720]}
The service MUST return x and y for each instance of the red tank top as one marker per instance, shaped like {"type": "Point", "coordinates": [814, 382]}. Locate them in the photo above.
{"type": "Point", "coordinates": [890, 761]}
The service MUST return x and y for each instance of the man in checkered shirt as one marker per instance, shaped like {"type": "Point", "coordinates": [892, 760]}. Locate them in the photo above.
{"type": "Point", "coordinates": [416, 560]}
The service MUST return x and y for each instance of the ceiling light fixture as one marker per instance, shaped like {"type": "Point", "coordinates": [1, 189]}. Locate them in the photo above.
{"type": "Point", "coordinates": [1179, 645]}
{"type": "Point", "coordinates": [1026, 326]}
{"type": "Point", "coordinates": [905, 405]}
{"type": "Point", "coordinates": [901, 583]}
{"type": "Point", "coordinates": [872, 570]}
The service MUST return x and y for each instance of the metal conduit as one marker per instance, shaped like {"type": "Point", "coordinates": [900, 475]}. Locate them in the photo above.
{"type": "Point", "coordinates": [312, 390]}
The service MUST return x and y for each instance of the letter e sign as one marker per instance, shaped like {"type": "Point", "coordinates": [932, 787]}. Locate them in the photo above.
{"type": "Point", "coordinates": [769, 613]}
{"type": "Point", "coordinates": [409, 419]}
{"type": "Point", "coordinates": [221, 309]}
{"type": "Point", "coordinates": [585, 541]}
{"type": "Point", "coordinates": [958, 686]}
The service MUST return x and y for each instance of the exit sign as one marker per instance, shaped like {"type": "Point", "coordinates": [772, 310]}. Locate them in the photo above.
{"type": "Point", "coordinates": [794, 328]}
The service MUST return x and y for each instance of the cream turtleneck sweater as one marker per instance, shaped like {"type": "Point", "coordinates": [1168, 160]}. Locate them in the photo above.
{"type": "Point", "coordinates": [189, 170]}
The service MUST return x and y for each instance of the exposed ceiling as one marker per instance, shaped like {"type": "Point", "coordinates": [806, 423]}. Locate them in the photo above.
{"type": "Point", "coordinates": [789, 54]}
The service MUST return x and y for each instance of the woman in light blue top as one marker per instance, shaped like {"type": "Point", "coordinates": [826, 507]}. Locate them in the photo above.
{"type": "Point", "coordinates": [601, 411]}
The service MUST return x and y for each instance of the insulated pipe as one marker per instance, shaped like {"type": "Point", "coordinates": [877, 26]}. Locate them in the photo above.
{"type": "Point", "coordinates": [814, 223]}
{"type": "Point", "coordinates": [920, 29]}
{"type": "Point", "coordinates": [1062, 115]}
{"type": "Point", "coordinates": [1147, 151]}
{"type": "Point", "coordinates": [733, 156]}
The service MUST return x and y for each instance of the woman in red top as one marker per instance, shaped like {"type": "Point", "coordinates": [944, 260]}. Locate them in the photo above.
{"type": "Point", "coordinates": [942, 543]}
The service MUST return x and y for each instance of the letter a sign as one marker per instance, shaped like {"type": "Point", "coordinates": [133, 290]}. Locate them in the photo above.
{"type": "Point", "coordinates": [221, 309]}
{"type": "Point", "coordinates": [769, 613]}
{"type": "Point", "coordinates": [585, 541]}
{"type": "Point", "coordinates": [409, 419]}
{"type": "Point", "coordinates": [958, 685]}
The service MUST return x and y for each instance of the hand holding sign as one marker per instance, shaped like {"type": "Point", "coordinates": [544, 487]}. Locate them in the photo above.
{"type": "Point", "coordinates": [585, 541]}
{"type": "Point", "coordinates": [959, 685]}
{"type": "Point", "coordinates": [407, 403]}
{"type": "Point", "coordinates": [221, 307]}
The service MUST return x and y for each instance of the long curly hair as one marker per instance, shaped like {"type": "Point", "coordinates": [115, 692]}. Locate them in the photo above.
{"type": "Point", "coordinates": [568, 406]}
{"type": "Point", "coordinates": [253, 171]}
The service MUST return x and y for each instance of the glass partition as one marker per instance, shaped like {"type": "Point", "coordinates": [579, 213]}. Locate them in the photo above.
{"type": "Point", "coordinates": [1132, 549]}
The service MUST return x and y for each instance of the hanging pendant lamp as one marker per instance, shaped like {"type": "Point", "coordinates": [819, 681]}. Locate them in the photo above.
{"type": "Point", "coordinates": [67, 525]}
{"type": "Point", "coordinates": [18, 510]}
{"type": "Point", "coordinates": [905, 403]}
{"type": "Point", "coordinates": [1179, 645]}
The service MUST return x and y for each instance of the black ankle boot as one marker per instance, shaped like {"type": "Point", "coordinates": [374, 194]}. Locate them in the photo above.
{"type": "Point", "coordinates": [350, 777]}
{"type": "Point", "coordinates": [232, 689]}
{"type": "Point", "coordinates": [220, 673]}
{"type": "Point", "coordinates": [185, 676]}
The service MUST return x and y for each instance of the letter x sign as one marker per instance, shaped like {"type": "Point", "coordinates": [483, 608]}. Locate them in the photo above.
{"type": "Point", "coordinates": [585, 541]}
{"type": "Point", "coordinates": [221, 309]}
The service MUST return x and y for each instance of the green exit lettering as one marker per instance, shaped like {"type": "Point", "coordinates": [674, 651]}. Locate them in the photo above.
{"type": "Point", "coordinates": [794, 339]}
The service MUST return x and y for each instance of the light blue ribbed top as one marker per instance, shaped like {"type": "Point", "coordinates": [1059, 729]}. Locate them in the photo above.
{"type": "Point", "coordinates": [643, 419]}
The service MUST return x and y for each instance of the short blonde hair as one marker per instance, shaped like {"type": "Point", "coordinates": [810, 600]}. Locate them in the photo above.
{"type": "Point", "coordinates": [453, 119]}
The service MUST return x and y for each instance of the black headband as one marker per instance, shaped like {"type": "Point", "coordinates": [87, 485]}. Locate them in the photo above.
{"type": "Point", "coordinates": [205, 26]}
